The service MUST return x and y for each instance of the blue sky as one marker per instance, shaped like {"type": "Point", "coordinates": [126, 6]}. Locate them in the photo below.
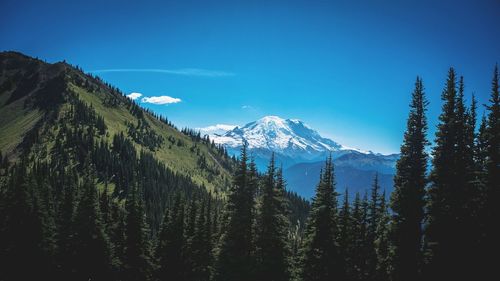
{"type": "Point", "coordinates": [346, 68]}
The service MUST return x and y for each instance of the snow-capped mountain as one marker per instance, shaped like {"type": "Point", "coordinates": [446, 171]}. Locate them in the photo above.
{"type": "Point", "coordinates": [280, 135]}
{"type": "Point", "coordinates": [290, 139]}
{"type": "Point", "coordinates": [300, 150]}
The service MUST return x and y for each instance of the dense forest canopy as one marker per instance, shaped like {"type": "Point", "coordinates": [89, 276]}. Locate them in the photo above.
{"type": "Point", "coordinates": [84, 197]}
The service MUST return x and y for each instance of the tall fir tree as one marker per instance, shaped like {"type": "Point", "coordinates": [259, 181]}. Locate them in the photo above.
{"type": "Point", "coordinates": [374, 214]}
{"type": "Point", "coordinates": [138, 265]}
{"type": "Point", "coordinates": [481, 153]}
{"type": "Point", "coordinates": [441, 220]}
{"type": "Point", "coordinates": [272, 249]}
{"type": "Point", "coordinates": [201, 243]}
{"type": "Point", "coordinates": [357, 265]}
{"type": "Point", "coordinates": [169, 251]}
{"type": "Point", "coordinates": [189, 237]}
{"type": "Point", "coordinates": [491, 243]}
{"type": "Point", "coordinates": [345, 233]}
{"type": "Point", "coordinates": [65, 226]}
{"type": "Point", "coordinates": [447, 225]}
{"type": "Point", "coordinates": [26, 239]}
{"type": "Point", "coordinates": [93, 250]}
{"type": "Point", "coordinates": [408, 197]}
{"type": "Point", "coordinates": [322, 258]}
{"type": "Point", "coordinates": [381, 244]}
{"type": "Point", "coordinates": [235, 253]}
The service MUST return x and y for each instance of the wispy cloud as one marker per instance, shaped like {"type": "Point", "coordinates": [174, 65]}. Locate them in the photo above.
{"type": "Point", "coordinates": [182, 71]}
{"type": "Point", "coordinates": [249, 107]}
{"type": "Point", "coordinates": [160, 100]}
{"type": "Point", "coordinates": [134, 96]}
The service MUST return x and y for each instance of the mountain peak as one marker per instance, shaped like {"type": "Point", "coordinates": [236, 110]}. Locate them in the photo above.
{"type": "Point", "coordinates": [287, 137]}
{"type": "Point", "coordinates": [290, 139]}
{"type": "Point", "coordinates": [271, 119]}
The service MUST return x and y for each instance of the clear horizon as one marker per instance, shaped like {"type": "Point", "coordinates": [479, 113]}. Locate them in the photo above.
{"type": "Point", "coordinates": [346, 68]}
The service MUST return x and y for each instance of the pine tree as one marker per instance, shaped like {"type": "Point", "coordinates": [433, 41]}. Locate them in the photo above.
{"type": "Point", "coordinates": [191, 220]}
{"type": "Point", "coordinates": [322, 258]}
{"type": "Point", "coordinates": [345, 233]}
{"type": "Point", "coordinates": [407, 200]}
{"type": "Point", "coordinates": [271, 229]}
{"type": "Point", "coordinates": [481, 153]}
{"type": "Point", "coordinates": [138, 264]}
{"type": "Point", "coordinates": [189, 237]}
{"type": "Point", "coordinates": [205, 232]}
{"type": "Point", "coordinates": [66, 232]}
{"type": "Point", "coordinates": [465, 171]}
{"type": "Point", "coordinates": [357, 266]}
{"type": "Point", "coordinates": [448, 213]}
{"type": "Point", "coordinates": [171, 243]}
{"type": "Point", "coordinates": [364, 246]}
{"type": "Point", "coordinates": [491, 243]}
{"type": "Point", "coordinates": [116, 232]}
{"type": "Point", "coordinates": [93, 250]}
{"type": "Point", "coordinates": [374, 214]}
{"type": "Point", "coordinates": [208, 229]}
{"type": "Point", "coordinates": [381, 243]}
{"type": "Point", "coordinates": [235, 257]}
{"type": "Point", "coordinates": [473, 194]}
{"type": "Point", "coordinates": [201, 244]}
{"type": "Point", "coordinates": [26, 240]}
{"type": "Point", "coordinates": [105, 205]}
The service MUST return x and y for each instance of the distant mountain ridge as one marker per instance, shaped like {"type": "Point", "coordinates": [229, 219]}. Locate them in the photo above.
{"type": "Point", "coordinates": [299, 148]}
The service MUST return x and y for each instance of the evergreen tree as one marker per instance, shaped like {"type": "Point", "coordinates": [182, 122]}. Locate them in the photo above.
{"type": "Point", "coordinates": [481, 152]}
{"type": "Point", "coordinates": [373, 219]}
{"type": "Point", "coordinates": [381, 245]}
{"type": "Point", "coordinates": [491, 243]}
{"type": "Point", "coordinates": [473, 193]}
{"type": "Point", "coordinates": [407, 200]}
{"type": "Point", "coordinates": [116, 232]}
{"type": "Point", "coordinates": [26, 240]}
{"type": "Point", "coordinates": [345, 233]}
{"type": "Point", "coordinates": [169, 250]}
{"type": "Point", "coordinates": [271, 229]}
{"type": "Point", "coordinates": [93, 250]}
{"type": "Point", "coordinates": [201, 244]}
{"type": "Point", "coordinates": [105, 205]}
{"type": "Point", "coordinates": [189, 237]}
{"type": "Point", "coordinates": [66, 231]}
{"type": "Point", "coordinates": [322, 258]}
{"type": "Point", "coordinates": [138, 265]}
{"type": "Point", "coordinates": [448, 207]}
{"type": "Point", "coordinates": [235, 258]}
{"type": "Point", "coordinates": [357, 266]}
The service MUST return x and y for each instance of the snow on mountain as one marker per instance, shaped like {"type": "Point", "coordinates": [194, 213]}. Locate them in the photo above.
{"type": "Point", "coordinates": [288, 137]}
{"type": "Point", "coordinates": [276, 134]}
{"type": "Point", "coordinates": [301, 151]}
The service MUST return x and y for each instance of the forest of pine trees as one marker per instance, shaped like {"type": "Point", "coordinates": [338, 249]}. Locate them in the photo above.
{"type": "Point", "coordinates": [94, 210]}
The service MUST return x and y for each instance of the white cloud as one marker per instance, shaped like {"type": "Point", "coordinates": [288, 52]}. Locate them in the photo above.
{"type": "Point", "coordinates": [134, 96]}
{"type": "Point", "coordinates": [182, 71]}
{"type": "Point", "coordinates": [161, 100]}
{"type": "Point", "coordinates": [246, 107]}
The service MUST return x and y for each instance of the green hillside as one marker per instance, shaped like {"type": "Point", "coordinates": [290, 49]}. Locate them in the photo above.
{"type": "Point", "coordinates": [34, 94]}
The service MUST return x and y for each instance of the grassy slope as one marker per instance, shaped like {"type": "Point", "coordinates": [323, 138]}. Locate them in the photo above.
{"type": "Point", "coordinates": [16, 121]}
{"type": "Point", "coordinates": [179, 158]}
